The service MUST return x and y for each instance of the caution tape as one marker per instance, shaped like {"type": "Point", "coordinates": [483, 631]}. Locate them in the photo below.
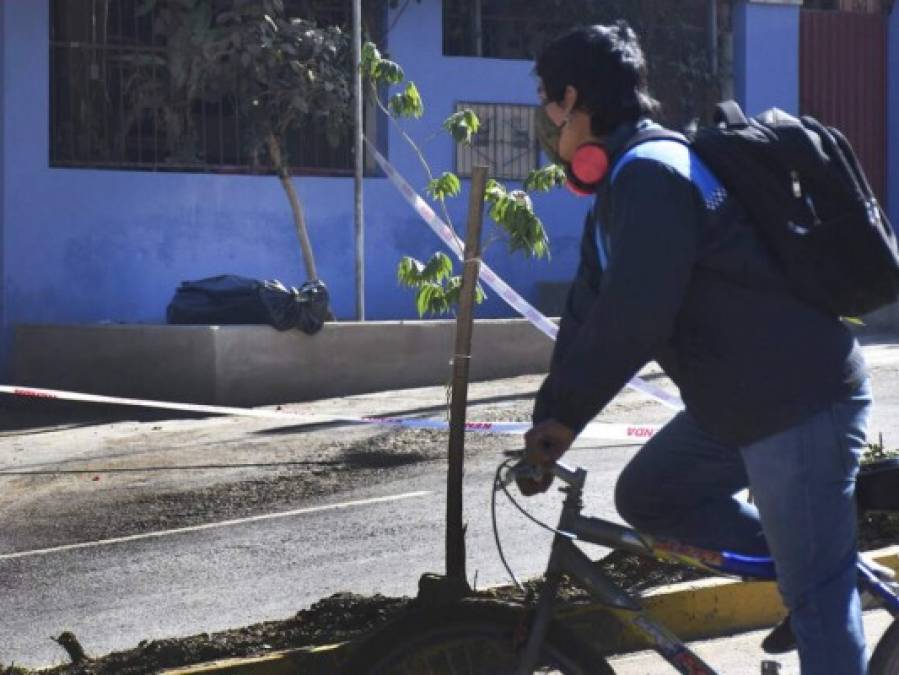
{"type": "Point", "coordinates": [492, 279]}
{"type": "Point", "coordinates": [596, 430]}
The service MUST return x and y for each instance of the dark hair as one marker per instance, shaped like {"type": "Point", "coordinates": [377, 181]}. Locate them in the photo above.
{"type": "Point", "coordinates": [607, 67]}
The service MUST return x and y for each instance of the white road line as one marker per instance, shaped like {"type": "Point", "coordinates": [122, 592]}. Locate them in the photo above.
{"type": "Point", "coordinates": [209, 526]}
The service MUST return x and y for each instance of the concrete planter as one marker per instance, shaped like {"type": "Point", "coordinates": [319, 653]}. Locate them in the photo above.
{"type": "Point", "coordinates": [257, 365]}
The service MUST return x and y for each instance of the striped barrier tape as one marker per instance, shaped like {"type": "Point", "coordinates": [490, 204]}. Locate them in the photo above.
{"type": "Point", "coordinates": [492, 279]}
{"type": "Point", "coordinates": [596, 430]}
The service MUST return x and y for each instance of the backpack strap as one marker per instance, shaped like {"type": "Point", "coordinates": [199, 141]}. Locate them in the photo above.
{"type": "Point", "coordinates": [674, 151]}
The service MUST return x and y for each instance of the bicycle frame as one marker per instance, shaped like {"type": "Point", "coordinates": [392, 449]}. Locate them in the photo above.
{"type": "Point", "coordinates": [566, 558]}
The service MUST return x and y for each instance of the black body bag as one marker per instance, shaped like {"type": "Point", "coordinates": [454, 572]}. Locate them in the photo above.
{"type": "Point", "coordinates": [231, 299]}
{"type": "Point", "coordinates": [805, 192]}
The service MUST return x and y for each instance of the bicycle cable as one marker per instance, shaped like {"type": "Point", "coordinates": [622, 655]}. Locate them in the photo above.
{"type": "Point", "coordinates": [497, 482]}
{"type": "Point", "coordinates": [527, 515]}
{"type": "Point", "coordinates": [499, 546]}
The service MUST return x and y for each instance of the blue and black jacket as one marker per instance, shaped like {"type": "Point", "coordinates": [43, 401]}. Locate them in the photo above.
{"type": "Point", "coordinates": [671, 270]}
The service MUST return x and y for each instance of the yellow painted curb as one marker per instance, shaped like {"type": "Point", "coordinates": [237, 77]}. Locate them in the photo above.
{"type": "Point", "coordinates": [306, 661]}
{"type": "Point", "coordinates": [693, 610]}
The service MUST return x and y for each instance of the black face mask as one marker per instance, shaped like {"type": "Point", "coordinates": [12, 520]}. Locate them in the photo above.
{"type": "Point", "coordinates": [548, 136]}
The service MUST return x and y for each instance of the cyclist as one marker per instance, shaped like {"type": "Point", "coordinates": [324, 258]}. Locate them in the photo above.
{"type": "Point", "coordinates": [776, 392]}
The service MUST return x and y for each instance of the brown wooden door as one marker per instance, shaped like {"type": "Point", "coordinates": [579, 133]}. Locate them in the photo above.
{"type": "Point", "coordinates": [842, 81]}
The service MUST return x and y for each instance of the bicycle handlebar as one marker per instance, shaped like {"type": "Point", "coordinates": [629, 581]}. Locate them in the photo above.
{"type": "Point", "coordinates": [564, 472]}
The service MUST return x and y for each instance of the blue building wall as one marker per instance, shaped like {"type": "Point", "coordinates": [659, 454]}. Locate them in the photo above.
{"type": "Point", "coordinates": [90, 245]}
{"type": "Point", "coordinates": [766, 56]}
{"type": "Point", "coordinates": [893, 117]}
{"type": "Point", "coordinates": [86, 246]}
{"type": "Point", "coordinates": [3, 47]}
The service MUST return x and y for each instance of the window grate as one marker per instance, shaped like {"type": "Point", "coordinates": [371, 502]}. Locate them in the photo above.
{"type": "Point", "coordinates": [506, 141]}
{"type": "Point", "coordinates": [114, 102]}
{"type": "Point", "coordinates": [674, 35]}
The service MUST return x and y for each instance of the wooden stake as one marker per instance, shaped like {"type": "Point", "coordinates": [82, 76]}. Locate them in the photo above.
{"type": "Point", "coordinates": [455, 530]}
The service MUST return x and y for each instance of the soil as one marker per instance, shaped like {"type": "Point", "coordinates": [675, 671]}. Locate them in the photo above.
{"type": "Point", "coordinates": [341, 617]}
{"type": "Point", "coordinates": [345, 616]}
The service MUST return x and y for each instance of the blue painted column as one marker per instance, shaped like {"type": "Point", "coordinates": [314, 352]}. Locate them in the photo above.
{"type": "Point", "coordinates": [25, 151]}
{"type": "Point", "coordinates": [3, 60]}
{"type": "Point", "coordinates": [766, 55]}
{"type": "Point", "coordinates": [893, 117]}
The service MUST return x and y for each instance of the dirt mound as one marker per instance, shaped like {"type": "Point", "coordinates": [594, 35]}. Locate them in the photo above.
{"type": "Point", "coordinates": [335, 619]}
{"type": "Point", "coordinates": [338, 618]}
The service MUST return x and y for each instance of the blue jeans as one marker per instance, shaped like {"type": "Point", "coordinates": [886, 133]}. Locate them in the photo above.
{"type": "Point", "coordinates": [682, 485]}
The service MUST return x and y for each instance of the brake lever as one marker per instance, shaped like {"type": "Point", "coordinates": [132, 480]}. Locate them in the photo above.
{"type": "Point", "coordinates": [521, 470]}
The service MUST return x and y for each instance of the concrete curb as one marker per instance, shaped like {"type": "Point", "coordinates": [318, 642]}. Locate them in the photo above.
{"type": "Point", "coordinates": [307, 661]}
{"type": "Point", "coordinates": [694, 610]}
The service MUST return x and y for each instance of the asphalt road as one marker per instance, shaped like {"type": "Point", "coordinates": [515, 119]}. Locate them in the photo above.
{"type": "Point", "coordinates": [114, 595]}
{"type": "Point", "coordinates": [99, 558]}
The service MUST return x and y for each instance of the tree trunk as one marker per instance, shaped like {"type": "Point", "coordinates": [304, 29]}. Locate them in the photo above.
{"type": "Point", "coordinates": [455, 528]}
{"type": "Point", "coordinates": [274, 151]}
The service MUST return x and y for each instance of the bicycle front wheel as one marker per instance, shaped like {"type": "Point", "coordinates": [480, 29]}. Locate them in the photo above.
{"type": "Point", "coordinates": [471, 637]}
{"type": "Point", "coordinates": [885, 659]}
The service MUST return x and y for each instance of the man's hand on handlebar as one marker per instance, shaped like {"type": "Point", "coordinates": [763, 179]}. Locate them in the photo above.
{"type": "Point", "coordinates": [544, 444]}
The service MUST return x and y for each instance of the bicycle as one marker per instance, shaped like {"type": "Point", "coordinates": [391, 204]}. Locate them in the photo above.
{"type": "Point", "coordinates": [488, 637]}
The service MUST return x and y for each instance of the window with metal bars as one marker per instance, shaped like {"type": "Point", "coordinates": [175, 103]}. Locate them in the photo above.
{"type": "Point", "coordinates": [682, 58]}
{"type": "Point", "coordinates": [115, 104]}
{"type": "Point", "coordinates": [506, 141]}
{"type": "Point", "coordinates": [505, 29]}
{"type": "Point", "coordinates": [861, 6]}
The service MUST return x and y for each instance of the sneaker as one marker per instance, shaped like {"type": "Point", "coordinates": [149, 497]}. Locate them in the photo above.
{"type": "Point", "coordinates": [781, 639]}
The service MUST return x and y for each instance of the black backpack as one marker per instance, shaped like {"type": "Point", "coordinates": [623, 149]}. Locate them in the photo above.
{"type": "Point", "coordinates": [804, 190]}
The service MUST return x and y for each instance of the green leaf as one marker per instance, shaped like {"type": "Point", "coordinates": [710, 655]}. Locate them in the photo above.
{"type": "Point", "coordinates": [407, 103]}
{"type": "Point", "coordinates": [453, 292]}
{"type": "Point", "coordinates": [431, 299]}
{"type": "Point", "coordinates": [479, 294]}
{"type": "Point", "coordinates": [462, 125]}
{"type": "Point", "coordinates": [494, 191]}
{"type": "Point", "coordinates": [448, 185]}
{"type": "Point", "coordinates": [371, 57]}
{"type": "Point", "coordinates": [514, 214]}
{"type": "Point", "coordinates": [378, 69]}
{"type": "Point", "coordinates": [389, 72]}
{"type": "Point", "coordinates": [439, 267]}
{"type": "Point", "coordinates": [437, 292]}
{"type": "Point", "coordinates": [545, 178]}
{"type": "Point", "coordinates": [408, 271]}
{"type": "Point", "coordinates": [413, 273]}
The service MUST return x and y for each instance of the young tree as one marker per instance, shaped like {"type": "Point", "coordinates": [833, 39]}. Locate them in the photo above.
{"type": "Point", "coordinates": [438, 291]}
{"type": "Point", "coordinates": [281, 72]}
{"type": "Point", "coordinates": [437, 288]}
{"type": "Point", "coordinates": [284, 72]}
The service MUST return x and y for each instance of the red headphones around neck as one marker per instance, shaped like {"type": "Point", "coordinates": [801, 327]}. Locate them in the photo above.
{"type": "Point", "coordinates": [589, 166]}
